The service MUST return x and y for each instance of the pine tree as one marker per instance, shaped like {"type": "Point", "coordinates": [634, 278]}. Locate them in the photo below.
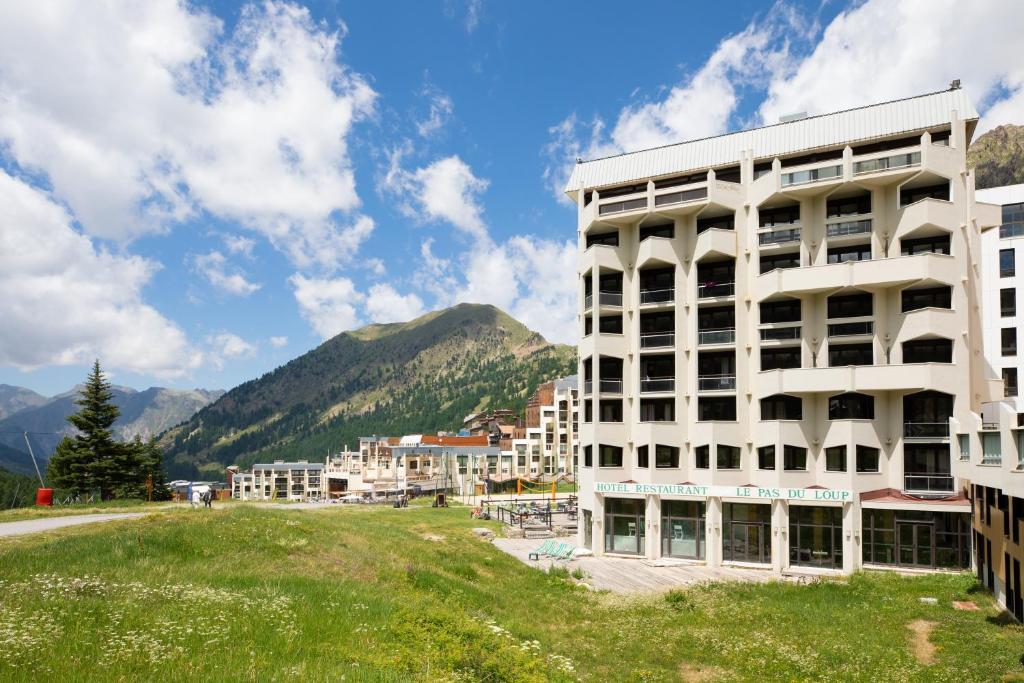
{"type": "Point", "coordinates": [92, 459]}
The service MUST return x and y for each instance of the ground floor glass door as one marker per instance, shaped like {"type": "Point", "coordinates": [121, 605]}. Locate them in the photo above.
{"type": "Point", "coordinates": [746, 533]}
{"type": "Point", "coordinates": [682, 529]}
{"type": "Point", "coordinates": [916, 544]}
{"type": "Point", "coordinates": [624, 526]}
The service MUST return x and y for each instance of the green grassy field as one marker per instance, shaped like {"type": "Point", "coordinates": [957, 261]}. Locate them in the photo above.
{"type": "Point", "coordinates": [362, 594]}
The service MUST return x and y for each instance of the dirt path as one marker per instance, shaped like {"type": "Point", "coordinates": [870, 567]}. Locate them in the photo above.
{"type": "Point", "coordinates": [34, 526]}
{"type": "Point", "coordinates": [921, 647]}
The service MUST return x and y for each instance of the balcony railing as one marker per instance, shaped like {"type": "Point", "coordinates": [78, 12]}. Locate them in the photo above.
{"type": "Point", "coordinates": [716, 382]}
{"type": "Point", "coordinates": [887, 163]}
{"type": "Point", "coordinates": [654, 340]}
{"type": "Point", "coordinates": [681, 196]}
{"type": "Point", "coordinates": [850, 329]}
{"type": "Point", "coordinates": [779, 236]}
{"type": "Point", "coordinates": [611, 298]}
{"type": "Point", "coordinates": [928, 483]}
{"type": "Point", "coordinates": [619, 207]}
{"type": "Point", "coordinates": [811, 175]}
{"type": "Point", "coordinates": [846, 228]}
{"type": "Point", "coordinates": [712, 290]}
{"type": "Point", "coordinates": [655, 384]}
{"type": "Point", "coordinates": [611, 386]}
{"type": "Point", "coordinates": [588, 302]}
{"type": "Point", "coordinates": [588, 387]}
{"type": "Point", "coordinates": [657, 296]}
{"type": "Point", "coordinates": [725, 335]}
{"type": "Point", "coordinates": [780, 333]}
{"type": "Point", "coordinates": [926, 430]}
{"type": "Point", "coordinates": [1011, 229]}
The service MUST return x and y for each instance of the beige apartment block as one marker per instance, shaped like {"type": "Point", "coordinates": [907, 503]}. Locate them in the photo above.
{"type": "Point", "coordinates": [780, 355]}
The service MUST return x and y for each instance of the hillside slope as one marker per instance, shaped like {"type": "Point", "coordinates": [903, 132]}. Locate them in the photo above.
{"type": "Point", "coordinates": [423, 375]}
{"type": "Point", "coordinates": [998, 157]}
{"type": "Point", "coordinates": [16, 399]}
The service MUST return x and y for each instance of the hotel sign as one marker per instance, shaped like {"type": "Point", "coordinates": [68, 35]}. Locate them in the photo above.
{"type": "Point", "coordinates": [761, 492]}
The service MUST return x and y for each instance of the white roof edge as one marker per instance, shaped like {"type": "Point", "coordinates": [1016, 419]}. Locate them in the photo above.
{"type": "Point", "coordinates": [863, 123]}
{"type": "Point", "coordinates": [1007, 194]}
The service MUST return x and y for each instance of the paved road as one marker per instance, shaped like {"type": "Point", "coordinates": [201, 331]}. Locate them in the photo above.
{"type": "Point", "coordinates": [32, 526]}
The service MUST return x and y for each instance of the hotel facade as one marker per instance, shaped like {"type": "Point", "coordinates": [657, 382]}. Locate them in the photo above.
{"type": "Point", "coordinates": [997, 478]}
{"type": "Point", "coordinates": [780, 357]}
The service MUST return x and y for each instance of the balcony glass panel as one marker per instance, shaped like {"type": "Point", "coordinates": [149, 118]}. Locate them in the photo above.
{"type": "Point", "coordinates": [848, 228]}
{"type": "Point", "coordinates": [887, 163]}
{"type": "Point", "coordinates": [812, 175]}
{"type": "Point", "coordinates": [653, 340]}
{"type": "Point", "coordinates": [721, 336]}
{"type": "Point", "coordinates": [711, 290]}
{"type": "Point", "coordinates": [716, 382]}
{"type": "Point", "coordinates": [780, 333]}
{"type": "Point", "coordinates": [611, 298]}
{"type": "Point", "coordinates": [657, 296]}
{"type": "Point", "coordinates": [611, 386]}
{"type": "Point", "coordinates": [926, 430]}
{"type": "Point", "coordinates": [779, 236]}
{"type": "Point", "coordinates": [680, 197]}
{"type": "Point", "coordinates": [850, 329]}
{"type": "Point", "coordinates": [928, 483]}
{"type": "Point", "coordinates": [619, 207]}
{"type": "Point", "coordinates": [656, 384]}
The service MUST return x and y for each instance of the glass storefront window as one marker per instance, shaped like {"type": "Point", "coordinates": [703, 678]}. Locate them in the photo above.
{"type": "Point", "coordinates": [624, 526]}
{"type": "Point", "coordinates": [682, 529]}
{"type": "Point", "coordinates": [816, 536]}
{"type": "Point", "coordinates": [746, 533]}
{"type": "Point", "coordinates": [917, 539]}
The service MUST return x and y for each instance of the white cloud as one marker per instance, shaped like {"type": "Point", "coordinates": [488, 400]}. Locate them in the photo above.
{"type": "Point", "coordinates": [879, 51]}
{"type": "Point", "coordinates": [214, 267]}
{"type": "Point", "coordinates": [227, 345]}
{"type": "Point", "coordinates": [238, 244]}
{"type": "Point", "coordinates": [66, 302]}
{"type": "Point", "coordinates": [327, 304]}
{"type": "Point", "coordinates": [279, 342]}
{"type": "Point", "coordinates": [445, 190]}
{"type": "Point", "coordinates": [375, 266]}
{"type": "Point", "coordinates": [385, 305]}
{"type": "Point", "coordinates": [441, 108]}
{"type": "Point", "coordinates": [143, 115]}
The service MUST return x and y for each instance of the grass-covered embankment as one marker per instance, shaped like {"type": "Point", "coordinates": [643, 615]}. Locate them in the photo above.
{"type": "Point", "coordinates": [361, 593]}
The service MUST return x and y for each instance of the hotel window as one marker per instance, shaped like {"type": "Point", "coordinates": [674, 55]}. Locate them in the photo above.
{"type": "Point", "coordinates": [1008, 338]}
{"type": "Point", "coordinates": [850, 354]}
{"type": "Point", "coordinates": [925, 245]}
{"type": "Point", "coordinates": [1008, 302]}
{"type": "Point", "coordinates": [463, 459]}
{"type": "Point", "coordinates": [964, 442]}
{"type": "Point", "coordinates": [784, 311]}
{"type": "Point", "coordinates": [779, 262]}
{"type": "Point", "coordinates": [717, 409]}
{"type": "Point", "coordinates": [610, 456]}
{"type": "Point", "coordinates": [766, 458]}
{"type": "Point", "coordinates": [859, 252]}
{"type": "Point", "coordinates": [782, 407]}
{"type": "Point", "coordinates": [991, 452]}
{"type": "Point", "coordinates": [916, 194]}
{"type": "Point", "coordinates": [588, 456]}
{"type": "Point", "coordinates": [610, 239]}
{"type": "Point", "coordinates": [666, 456]}
{"type": "Point", "coordinates": [588, 325]}
{"type": "Point", "coordinates": [1009, 382]}
{"type": "Point", "coordinates": [794, 458]}
{"type": "Point", "coordinates": [657, 410]}
{"type": "Point", "coordinates": [702, 456]}
{"type": "Point", "coordinates": [928, 351]}
{"type": "Point", "coordinates": [850, 306]}
{"type": "Point", "coordinates": [611, 324]}
{"type": "Point", "coordinates": [780, 358]}
{"type": "Point", "coordinates": [835, 459]}
{"type": "Point", "coordinates": [718, 222]}
{"type": "Point", "coordinates": [641, 456]}
{"type": "Point", "coordinates": [611, 411]}
{"type": "Point", "coordinates": [1007, 266]}
{"type": "Point", "coordinates": [930, 297]}
{"type": "Point", "coordinates": [728, 458]}
{"type": "Point", "coordinates": [851, 406]}
{"type": "Point", "coordinates": [867, 459]}
{"type": "Point", "coordinates": [666, 230]}
{"type": "Point", "coordinates": [850, 206]}
{"type": "Point", "coordinates": [588, 410]}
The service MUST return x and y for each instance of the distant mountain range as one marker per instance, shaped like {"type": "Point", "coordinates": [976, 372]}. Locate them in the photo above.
{"type": "Point", "coordinates": [403, 378]}
{"type": "Point", "coordinates": [998, 157]}
{"type": "Point", "coordinates": [143, 413]}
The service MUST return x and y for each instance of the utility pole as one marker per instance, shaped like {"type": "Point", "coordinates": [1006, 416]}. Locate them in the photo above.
{"type": "Point", "coordinates": [34, 463]}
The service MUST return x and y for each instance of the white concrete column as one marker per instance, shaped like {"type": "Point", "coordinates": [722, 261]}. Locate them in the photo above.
{"type": "Point", "coordinates": [780, 535]}
{"type": "Point", "coordinates": [597, 528]}
{"type": "Point", "coordinates": [713, 533]}
{"type": "Point", "coordinates": [652, 513]}
{"type": "Point", "coordinates": [853, 538]}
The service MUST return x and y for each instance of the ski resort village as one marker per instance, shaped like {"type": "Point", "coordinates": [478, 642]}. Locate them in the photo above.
{"type": "Point", "coordinates": [471, 341]}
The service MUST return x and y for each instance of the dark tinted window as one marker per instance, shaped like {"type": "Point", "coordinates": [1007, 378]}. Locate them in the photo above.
{"type": "Point", "coordinates": [782, 216]}
{"type": "Point", "coordinates": [916, 194]}
{"type": "Point", "coordinates": [588, 456]}
{"type": "Point", "coordinates": [1007, 265]}
{"type": "Point", "coordinates": [666, 456]}
{"type": "Point", "coordinates": [702, 455]}
{"type": "Point", "coordinates": [667, 230]}
{"type": "Point", "coordinates": [851, 406]}
{"type": "Point", "coordinates": [794, 458]}
{"type": "Point", "coordinates": [779, 262]}
{"type": "Point", "coordinates": [928, 351]}
{"type": "Point", "coordinates": [867, 459]}
{"type": "Point", "coordinates": [720, 222]}
{"type": "Point", "coordinates": [611, 324]}
{"type": "Point", "coordinates": [1009, 381]}
{"type": "Point", "coordinates": [835, 459]}
{"type": "Point", "coordinates": [931, 297]}
{"type": "Point", "coordinates": [641, 456]}
{"type": "Point", "coordinates": [610, 456]}
{"type": "Point", "coordinates": [611, 411]}
{"type": "Point", "coordinates": [850, 306]}
{"type": "Point", "coordinates": [782, 358]}
{"type": "Point", "coordinates": [766, 458]}
{"type": "Point", "coordinates": [609, 238]}
{"type": "Point", "coordinates": [858, 252]}
{"type": "Point", "coordinates": [722, 408]}
{"type": "Point", "coordinates": [850, 354]}
{"type": "Point", "coordinates": [925, 245]}
{"type": "Point", "coordinates": [850, 206]}
{"type": "Point", "coordinates": [1007, 302]}
{"type": "Point", "coordinates": [1008, 337]}
{"type": "Point", "coordinates": [782, 407]}
{"type": "Point", "coordinates": [657, 410]}
{"type": "Point", "coordinates": [728, 458]}
{"type": "Point", "coordinates": [784, 311]}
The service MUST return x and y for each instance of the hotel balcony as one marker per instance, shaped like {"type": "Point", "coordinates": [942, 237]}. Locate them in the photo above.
{"type": "Point", "coordinates": [777, 237]}
{"type": "Point", "coordinates": [657, 340]}
{"type": "Point", "coordinates": [715, 290]}
{"type": "Point", "coordinates": [610, 386]}
{"type": "Point", "coordinates": [859, 378]}
{"type": "Point", "coordinates": [938, 484]}
{"type": "Point", "coordinates": [716, 337]}
{"type": "Point", "coordinates": [657, 385]}
{"type": "Point", "coordinates": [927, 431]}
{"type": "Point", "coordinates": [837, 231]}
{"type": "Point", "coordinates": [673, 201]}
{"type": "Point", "coordinates": [870, 274]}
{"type": "Point", "coordinates": [781, 334]}
{"type": "Point", "coordinates": [852, 329]}
{"type": "Point", "coordinates": [927, 213]}
{"type": "Point", "coordinates": [716, 243]}
{"type": "Point", "coordinates": [716, 383]}
{"type": "Point", "coordinates": [657, 297]}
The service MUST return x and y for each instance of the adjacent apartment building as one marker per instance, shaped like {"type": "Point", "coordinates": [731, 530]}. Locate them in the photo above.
{"type": "Point", "coordinates": [997, 479]}
{"type": "Point", "coordinates": [546, 446]}
{"type": "Point", "coordinates": [780, 327]}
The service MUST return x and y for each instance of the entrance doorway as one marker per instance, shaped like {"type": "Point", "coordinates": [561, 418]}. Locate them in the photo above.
{"type": "Point", "coordinates": [916, 543]}
{"type": "Point", "coordinates": [624, 526]}
{"type": "Point", "coordinates": [747, 533]}
{"type": "Point", "coordinates": [682, 529]}
{"type": "Point", "coordinates": [816, 536]}
{"type": "Point", "coordinates": [588, 529]}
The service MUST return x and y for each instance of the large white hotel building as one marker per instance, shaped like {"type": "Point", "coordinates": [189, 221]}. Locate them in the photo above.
{"type": "Point", "coordinates": [780, 360]}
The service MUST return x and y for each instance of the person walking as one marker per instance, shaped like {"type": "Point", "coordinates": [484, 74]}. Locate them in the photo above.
{"type": "Point", "coordinates": [196, 497]}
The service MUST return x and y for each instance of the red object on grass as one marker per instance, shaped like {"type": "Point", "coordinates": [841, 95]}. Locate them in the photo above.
{"type": "Point", "coordinates": [44, 497]}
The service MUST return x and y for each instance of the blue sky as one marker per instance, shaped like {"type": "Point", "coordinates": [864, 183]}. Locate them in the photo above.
{"type": "Point", "coordinates": [198, 193]}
